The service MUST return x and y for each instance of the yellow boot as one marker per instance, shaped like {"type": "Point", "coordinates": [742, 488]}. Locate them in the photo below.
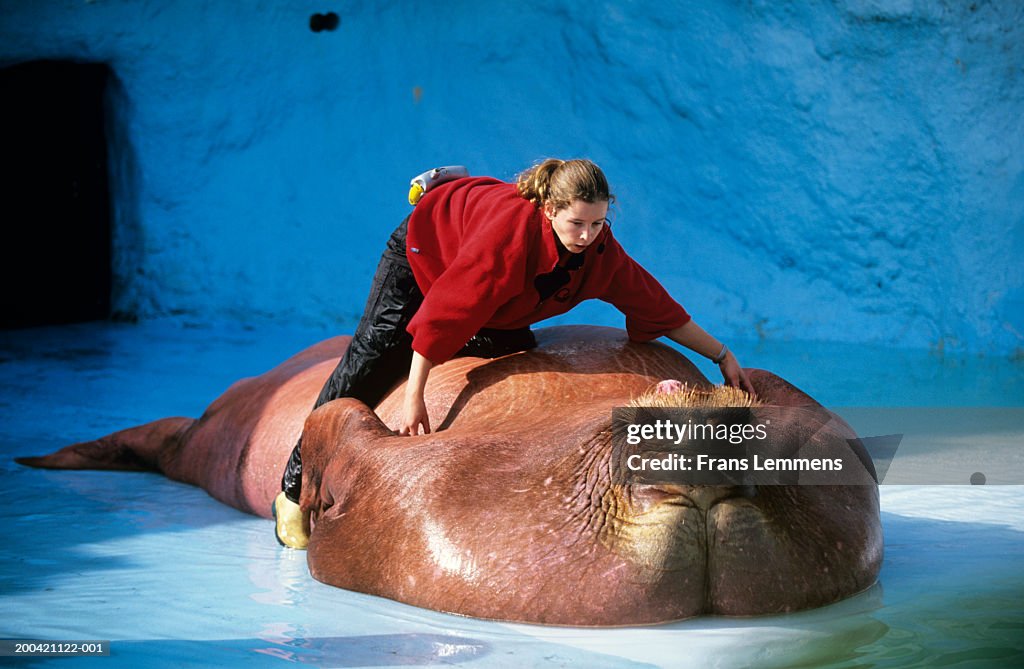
{"type": "Point", "coordinates": [292, 523]}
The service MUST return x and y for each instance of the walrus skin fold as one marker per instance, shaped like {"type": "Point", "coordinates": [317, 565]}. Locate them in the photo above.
{"type": "Point", "coordinates": [507, 510]}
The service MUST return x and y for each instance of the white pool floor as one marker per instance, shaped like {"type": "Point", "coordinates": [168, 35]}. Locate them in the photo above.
{"type": "Point", "coordinates": [173, 578]}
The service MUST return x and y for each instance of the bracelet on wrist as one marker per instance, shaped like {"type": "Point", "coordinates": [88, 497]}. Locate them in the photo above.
{"type": "Point", "coordinates": [721, 355]}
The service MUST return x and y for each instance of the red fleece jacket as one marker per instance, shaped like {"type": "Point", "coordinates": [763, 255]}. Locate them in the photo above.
{"type": "Point", "coordinates": [475, 247]}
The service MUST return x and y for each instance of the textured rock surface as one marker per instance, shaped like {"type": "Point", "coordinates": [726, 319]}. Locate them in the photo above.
{"type": "Point", "coordinates": [852, 171]}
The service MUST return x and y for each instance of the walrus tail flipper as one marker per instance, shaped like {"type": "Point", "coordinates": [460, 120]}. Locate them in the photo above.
{"type": "Point", "coordinates": [135, 449]}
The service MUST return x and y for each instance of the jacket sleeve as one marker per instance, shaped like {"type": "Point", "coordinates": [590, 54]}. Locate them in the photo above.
{"type": "Point", "coordinates": [488, 271]}
{"type": "Point", "coordinates": [650, 311]}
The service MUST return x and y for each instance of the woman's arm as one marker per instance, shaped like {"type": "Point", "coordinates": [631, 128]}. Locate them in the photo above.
{"type": "Point", "coordinates": [693, 337]}
{"type": "Point", "coordinates": [414, 412]}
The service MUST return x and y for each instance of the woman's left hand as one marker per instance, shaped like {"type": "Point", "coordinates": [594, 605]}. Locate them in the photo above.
{"type": "Point", "coordinates": [693, 337]}
{"type": "Point", "coordinates": [734, 374]}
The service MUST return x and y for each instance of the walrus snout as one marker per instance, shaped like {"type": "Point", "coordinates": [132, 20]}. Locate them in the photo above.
{"type": "Point", "coordinates": [701, 497]}
{"type": "Point", "coordinates": [706, 497]}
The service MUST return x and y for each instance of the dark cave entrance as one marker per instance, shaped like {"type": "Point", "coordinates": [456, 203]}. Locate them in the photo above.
{"type": "Point", "coordinates": [55, 262]}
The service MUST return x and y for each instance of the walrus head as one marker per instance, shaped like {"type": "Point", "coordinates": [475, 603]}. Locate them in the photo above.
{"type": "Point", "coordinates": [511, 510]}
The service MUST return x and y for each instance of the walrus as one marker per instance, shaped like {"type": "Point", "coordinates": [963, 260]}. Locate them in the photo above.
{"type": "Point", "coordinates": [507, 510]}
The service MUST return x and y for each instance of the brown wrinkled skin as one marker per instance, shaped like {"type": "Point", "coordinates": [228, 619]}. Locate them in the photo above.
{"type": "Point", "coordinates": [507, 510]}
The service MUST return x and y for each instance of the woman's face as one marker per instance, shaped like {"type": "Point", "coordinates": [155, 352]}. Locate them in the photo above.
{"type": "Point", "coordinates": [578, 225]}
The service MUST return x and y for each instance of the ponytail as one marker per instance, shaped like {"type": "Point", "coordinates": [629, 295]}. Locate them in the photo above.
{"type": "Point", "coordinates": [560, 182]}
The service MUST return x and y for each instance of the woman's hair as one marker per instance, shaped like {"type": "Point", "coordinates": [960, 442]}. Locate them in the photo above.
{"type": "Point", "coordinates": [560, 182]}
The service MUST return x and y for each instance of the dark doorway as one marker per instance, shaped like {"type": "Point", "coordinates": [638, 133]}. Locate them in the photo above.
{"type": "Point", "coordinates": [55, 236]}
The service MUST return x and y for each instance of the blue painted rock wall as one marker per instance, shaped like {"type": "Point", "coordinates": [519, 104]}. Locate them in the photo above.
{"type": "Point", "coordinates": [847, 171]}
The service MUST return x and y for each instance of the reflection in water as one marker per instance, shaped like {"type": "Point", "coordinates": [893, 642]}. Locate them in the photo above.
{"type": "Point", "coordinates": [373, 650]}
{"type": "Point", "coordinates": [377, 650]}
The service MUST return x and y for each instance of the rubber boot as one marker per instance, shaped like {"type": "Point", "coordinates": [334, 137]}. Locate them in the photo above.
{"type": "Point", "coordinates": [292, 529]}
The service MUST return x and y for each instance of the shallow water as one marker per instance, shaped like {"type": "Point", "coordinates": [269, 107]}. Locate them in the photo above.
{"type": "Point", "coordinates": [172, 577]}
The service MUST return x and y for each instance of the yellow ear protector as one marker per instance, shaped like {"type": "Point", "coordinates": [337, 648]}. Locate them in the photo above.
{"type": "Point", "coordinates": [435, 177]}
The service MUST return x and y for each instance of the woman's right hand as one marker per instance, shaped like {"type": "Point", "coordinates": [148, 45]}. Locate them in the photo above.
{"type": "Point", "coordinates": [414, 411]}
{"type": "Point", "coordinates": [414, 417]}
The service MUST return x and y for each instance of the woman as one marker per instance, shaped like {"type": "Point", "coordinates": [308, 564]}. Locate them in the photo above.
{"type": "Point", "coordinates": [476, 263]}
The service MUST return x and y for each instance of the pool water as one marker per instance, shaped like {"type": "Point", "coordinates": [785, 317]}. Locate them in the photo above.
{"type": "Point", "coordinates": [173, 578]}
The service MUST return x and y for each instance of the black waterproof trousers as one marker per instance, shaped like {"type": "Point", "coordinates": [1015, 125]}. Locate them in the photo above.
{"type": "Point", "coordinates": [380, 352]}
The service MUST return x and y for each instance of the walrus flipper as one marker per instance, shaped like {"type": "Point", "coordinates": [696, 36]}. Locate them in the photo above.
{"type": "Point", "coordinates": [135, 449]}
